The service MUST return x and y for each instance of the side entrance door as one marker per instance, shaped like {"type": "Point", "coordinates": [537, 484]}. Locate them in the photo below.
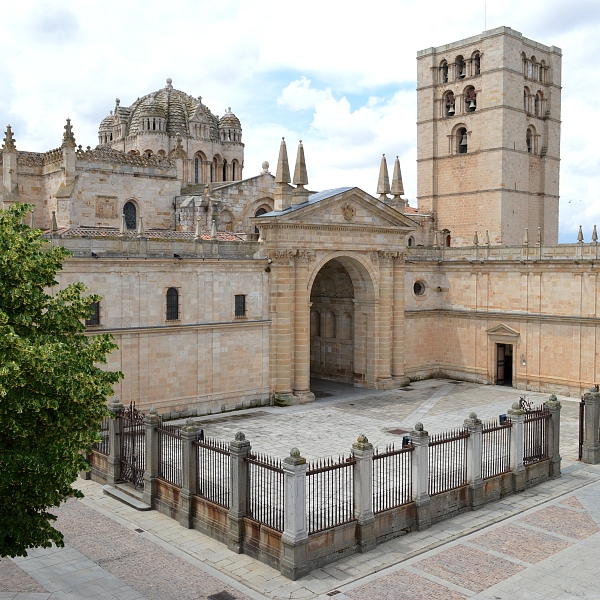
{"type": "Point", "coordinates": [500, 364]}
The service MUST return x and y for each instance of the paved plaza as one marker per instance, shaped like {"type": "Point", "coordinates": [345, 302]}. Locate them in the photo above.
{"type": "Point", "coordinates": [541, 543]}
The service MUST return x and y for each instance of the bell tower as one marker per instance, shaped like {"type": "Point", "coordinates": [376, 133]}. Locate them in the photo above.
{"type": "Point", "coordinates": [488, 137]}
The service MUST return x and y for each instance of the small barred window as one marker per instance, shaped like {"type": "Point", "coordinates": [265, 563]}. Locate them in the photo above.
{"type": "Point", "coordinates": [94, 319]}
{"type": "Point", "coordinates": [172, 304]}
{"type": "Point", "coordinates": [240, 305]}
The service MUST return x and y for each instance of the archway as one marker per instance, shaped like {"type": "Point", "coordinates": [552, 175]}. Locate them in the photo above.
{"type": "Point", "coordinates": [340, 321]}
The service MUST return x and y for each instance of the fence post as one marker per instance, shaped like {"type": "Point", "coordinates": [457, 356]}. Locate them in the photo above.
{"type": "Point", "coordinates": [517, 417]}
{"type": "Point", "coordinates": [151, 420]}
{"type": "Point", "coordinates": [474, 459]}
{"type": "Point", "coordinates": [420, 476]}
{"type": "Point", "coordinates": [553, 406]}
{"type": "Point", "coordinates": [591, 446]}
{"type": "Point", "coordinates": [239, 449]}
{"type": "Point", "coordinates": [294, 541]}
{"type": "Point", "coordinates": [189, 473]}
{"type": "Point", "coordinates": [362, 451]}
{"type": "Point", "coordinates": [114, 436]}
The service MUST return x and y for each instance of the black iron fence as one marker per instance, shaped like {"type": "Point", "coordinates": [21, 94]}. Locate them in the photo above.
{"type": "Point", "coordinates": [212, 480]}
{"type": "Point", "coordinates": [330, 493]}
{"type": "Point", "coordinates": [170, 454]}
{"type": "Point", "coordinates": [133, 445]}
{"type": "Point", "coordinates": [535, 439]}
{"type": "Point", "coordinates": [495, 448]}
{"type": "Point", "coordinates": [103, 446]}
{"type": "Point", "coordinates": [265, 491]}
{"type": "Point", "coordinates": [447, 461]}
{"type": "Point", "coordinates": [392, 477]}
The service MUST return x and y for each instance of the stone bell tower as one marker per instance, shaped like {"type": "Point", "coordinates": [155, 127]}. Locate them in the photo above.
{"type": "Point", "coordinates": [488, 137]}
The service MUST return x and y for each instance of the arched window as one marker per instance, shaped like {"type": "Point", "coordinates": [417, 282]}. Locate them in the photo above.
{"type": "Point", "coordinates": [449, 104]}
{"type": "Point", "coordinates": [448, 240]}
{"type": "Point", "coordinates": [529, 140]}
{"type": "Point", "coordinates": [476, 64]}
{"type": "Point", "coordinates": [172, 304]}
{"type": "Point", "coordinates": [410, 242]}
{"type": "Point", "coordinates": [444, 72]}
{"type": "Point", "coordinates": [530, 67]}
{"type": "Point", "coordinates": [526, 99]}
{"type": "Point", "coordinates": [161, 154]}
{"type": "Point", "coordinates": [258, 213]}
{"type": "Point", "coordinates": [470, 99]}
{"type": "Point", "coordinates": [224, 170]}
{"type": "Point", "coordinates": [461, 141]}
{"type": "Point", "coordinates": [235, 170]}
{"type": "Point", "coordinates": [461, 67]}
{"type": "Point", "coordinates": [130, 213]}
{"type": "Point", "coordinates": [196, 170]}
{"type": "Point", "coordinates": [537, 104]}
{"type": "Point", "coordinates": [148, 153]}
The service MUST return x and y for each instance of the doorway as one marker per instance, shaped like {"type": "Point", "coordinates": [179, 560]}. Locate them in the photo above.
{"type": "Point", "coordinates": [504, 364]}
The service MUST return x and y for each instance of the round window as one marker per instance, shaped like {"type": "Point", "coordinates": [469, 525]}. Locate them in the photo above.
{"type": "Point", "coordinates": [419, 288]}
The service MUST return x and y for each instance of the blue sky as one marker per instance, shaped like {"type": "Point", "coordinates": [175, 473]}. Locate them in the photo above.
{"type": "Point", "coordinates": [339, 75]}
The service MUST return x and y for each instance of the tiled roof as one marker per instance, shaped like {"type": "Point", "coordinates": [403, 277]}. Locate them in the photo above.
{"type": "Point", "coordinates": [154, 234]}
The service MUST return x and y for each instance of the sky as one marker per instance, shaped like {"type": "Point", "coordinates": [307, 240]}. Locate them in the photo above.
{"type": "Point", "coordinates": [340, 76]}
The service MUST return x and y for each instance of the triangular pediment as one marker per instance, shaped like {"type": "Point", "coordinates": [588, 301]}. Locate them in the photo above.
{"type": "Point", "coordinates": [348, 206]}
{"type": "Point", "coordinates": [503, 329]}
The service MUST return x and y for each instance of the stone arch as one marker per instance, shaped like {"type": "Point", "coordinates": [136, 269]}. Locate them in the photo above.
{"type": "Point", "coordinates": [131, 211]}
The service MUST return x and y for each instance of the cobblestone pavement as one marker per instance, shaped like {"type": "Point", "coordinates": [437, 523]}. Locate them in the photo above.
{"type": "Point", "coordinates": [542, 543]}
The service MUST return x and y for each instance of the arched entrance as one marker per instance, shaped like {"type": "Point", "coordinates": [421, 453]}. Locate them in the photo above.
{"type": "Point", "coordinates": [341, 315]}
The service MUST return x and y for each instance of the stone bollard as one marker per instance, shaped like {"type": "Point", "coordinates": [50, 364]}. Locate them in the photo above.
{"type": "Point", "coordinates": [114, 441]}
{"type": "Point", "coordinates": [362, 451]}
{"type": "Point", "coordinates": [239, 450]}
{"type": "Point", "coordinates": [590, 453]}
{"type": "Point", "coordinates": [474, 459]}
{"type": "Point", "coordinates": [151, 421]}
{"type": "Point", "coordinates": [189, 471]}
{"type": "Point", "coordinates": [553, 405]}
{"type": "Point", "coordinates": [517, 417]}
{"type": "Point", "coordinates": [420, 476]}
{"type": "Point", "coordinates": [294, 541]}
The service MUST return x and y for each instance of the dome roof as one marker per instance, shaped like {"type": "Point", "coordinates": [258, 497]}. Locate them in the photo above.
{"type": "Point", "coordinates": [107, 123]}
{"type": "Point", "coordinates": [229, 120]}
{"type": "Point", "coordinates": [176, 106]}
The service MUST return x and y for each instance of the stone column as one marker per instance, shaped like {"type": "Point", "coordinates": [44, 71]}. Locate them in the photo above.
{"type": "Point", "coordinates": [189, 434]}
{"type": "Point", "coordinates": [362, 451]}
{"type": "Point", "coordinates": [384, 325]}
{"type": "Point", "coordinates": [474, 459]}
{"type": "Point", "coordinates": [239, 449]}
{"type": "Point", "coordinates": [591, 447]}
{"type": "Point", "coordinates": [114, 443]}
{"type": "Point", "coordinates": [398, 323]}
{"type": "Point", "coordinates": [302, 391]}
{"type": "Point", "coordinates": [294, 541]}
{"type": "Point", "coordinates": [420, 476]}
{"type": "Point", "coordinates": [151, 421]}
{"type": "Point", "coordinates": [553, 434]}
{"type": "Point", "coordinates": [517, 417]}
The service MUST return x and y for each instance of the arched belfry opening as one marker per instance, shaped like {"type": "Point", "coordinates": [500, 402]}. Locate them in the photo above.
{"type": "Point", "coordinates": [338, 324]}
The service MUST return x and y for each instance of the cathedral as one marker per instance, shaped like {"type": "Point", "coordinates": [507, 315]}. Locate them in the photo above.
{"type": "Point", "coordinates": [226, 291]}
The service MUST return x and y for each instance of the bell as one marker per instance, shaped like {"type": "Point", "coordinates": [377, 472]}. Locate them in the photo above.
{"type": "Point", "coordinates": [463, 141]}
{"type": "Point", "coordinates": [472, 105]}
{"type": "Point", "coordinates": [451, 109]}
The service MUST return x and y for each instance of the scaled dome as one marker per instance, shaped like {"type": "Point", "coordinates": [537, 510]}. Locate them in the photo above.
{"type": "Point", "coordinates": [229, 120]}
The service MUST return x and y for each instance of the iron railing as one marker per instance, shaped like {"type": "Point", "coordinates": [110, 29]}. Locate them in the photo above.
{"type": "Point", "coordinates": [535, 439]}
{"type": "Point", "coordinates": [170, 454]}
{"type": "Point", "coordinates": [392, 478]}
{"type": "Point", "coordinates": [330, 493]}
{"type": "Point", "coordinates": [212, 481]}
{"type": "Point", "coordinates": [447, 461]}
{"type": "Point", "coordinates": [103, 447]}
{"type": "Point", "coordinates": [265, 491]}
{"type": "Point", "coordinates": [133, 445]}
{"type": "Point", "coordinates": [495, 448]}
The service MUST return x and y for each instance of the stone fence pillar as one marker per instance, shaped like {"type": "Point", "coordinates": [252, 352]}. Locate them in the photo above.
{"type": "Point", "coordinates": [553, 434]}
{"type": "Point", "coordinates": [239, 449]}
{"type": "Point", "coordinates": [151, 421]}
{"type": "Point", "coordinates": [591, 446]}
{"type": "Point", "coordinates": [294, 541]}
{"type": "Point", "coordinates": [474, 459]}
{"type": "Point", "coordinates": [420, 475]}
{"type": "Point", "coordinates": [517, 417]}
{"type": "Point", "coordinates": [189, 467]}
{"type": "Point", "coordinates": [362, 451]}
{"type": "Point", "coordinates": [114, 443]}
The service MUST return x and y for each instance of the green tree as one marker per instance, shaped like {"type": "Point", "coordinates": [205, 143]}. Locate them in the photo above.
{"type": "Point", "coordinates": [52, 389]}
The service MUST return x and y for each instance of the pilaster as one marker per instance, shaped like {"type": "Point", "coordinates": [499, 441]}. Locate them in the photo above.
{"type": "Point", "coordinates": [474, 459]}
{"type": "Point", "coordinates": [420, 475]}
{"type": "Point", "coordinates": [398, 322]}
{"type": "Point", "coordinates": [362, 451]}
{"type": "Point", "coordinates": [239, 449]}
{"type": "Point", "coordinates": [189, 435]}
{"type": "Point", "coordinates": [517, 417]}
{"type": "Point", "coordinates": [384, 379]}
{"type": "Point", "coordinates": [591, 446]}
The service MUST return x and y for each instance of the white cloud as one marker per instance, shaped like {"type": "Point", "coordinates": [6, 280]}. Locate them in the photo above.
{"type": "Point", "coordinates": [299, 95]}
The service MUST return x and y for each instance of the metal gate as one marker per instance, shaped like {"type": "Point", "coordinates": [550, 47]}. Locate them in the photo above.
{"type": "Point", "coordinates": [133, 446]}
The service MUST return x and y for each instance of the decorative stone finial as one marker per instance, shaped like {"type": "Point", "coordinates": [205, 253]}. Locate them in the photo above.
{"type": "Point", "coordinates": [539, 236]}
{"type": "Point", "coordinates": [240, 437]}
{"type": "Point", "coordinates": [397, 185]}
{"type": "Point", "coordinates": [116, 400]}
{"type": "Point", "coordinates": [383, 183]}
{"type": "Point", "coordinates": [153, 411]}
{"type": "Point", "coordinates": [68, 137]}
{"type": "Point", "coordinates": [419, 426]}
{"type": "Point", "coordinates": [362, 439]}
{"type": "Point", "coordinates": [54, 223]}
{"type": "Point", "coordinates": [294, 453]}
{"type": "Point", "coordinates": [472, 415]}
{"type": "Point", "coordinates": [9, 141]}
{"type": "Point", "coordinates": [553, 402]}
{"type": "Point", "coordinates": [169, 83]}
{"type": "Point", "coordinates": [190, 422]}
{"type": "Point", "coordinates": [283, 167]}
{"type": "Point", "coordinates": [526, 238]}
{"type": "Point", "coordinates": [594, 235]}
{"type": "Point", "coordinates": [213, 231]}
{"type": "Point", "coordinates": [123, 229]}
{"type": "Point", "coordinates": [516, 406]}
{"type": "Point", "coordinates": [294, 458]}
{"type": "Point", "coordinates": [265, 167]}
{"type": "Point", "coordinates": [362, 443]}
{"type": "Point", "coordinates": [140, 229]}
{"type": "Point", "coordinates": [580, 235]}
{"type": "Point", "coordinates": [117, 101]}
{"type": "Point", "coordinates": [197, 235]}
{"type": "Point", "coordinates": [487, 238]}
{"type": "Point", "coordinates": [300, 174]}
{"type": "Point", "coordinates": [475, 240]}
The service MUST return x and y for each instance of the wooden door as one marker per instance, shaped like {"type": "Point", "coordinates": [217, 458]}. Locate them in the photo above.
{"type": "Point", "coordinates": [500, 365]}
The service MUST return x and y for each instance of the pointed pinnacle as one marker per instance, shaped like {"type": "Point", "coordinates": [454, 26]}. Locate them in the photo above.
{"type": "Point", "coordinates": [300, 175]}
{"type": "Point", "coordinates": [539, 235]}
{"type": "Point", "coordinates": [397, 186]}
{"type": "Point", "coordinates": [213, 231]}
{"type": "Point", "coordinates": [580, 236]}
{"type": "Point", "coordinates": [140, 229]}
{"type": "Point", "coordinates": [54, 224]}
{"type": "Point", "coordinates": [283, 167]}
{"type": "Point", "coordinates": [475, 240]}
{"type": "Point", "coordinates": [487, 237]}
{"type": "Point", "coordinates": [594, 235]}
{"type": "Point", "coordinates": [123, 230]}
{"type": "Point", "coordinates": [9, 140]}
{"type": "Point", "coordinates": [68, 137]}
{"type": "Point", "coordinates": [526, 238]}
{"type": "Point", "coordinates": [383, 183]}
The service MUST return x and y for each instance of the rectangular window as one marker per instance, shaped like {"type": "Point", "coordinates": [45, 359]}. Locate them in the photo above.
{"type": "Point", "coordinates": [172, 304]}
{"type": "Point", "coordinates": [240, 305]}
{"type": "Point", "coordinates": [94, 319]}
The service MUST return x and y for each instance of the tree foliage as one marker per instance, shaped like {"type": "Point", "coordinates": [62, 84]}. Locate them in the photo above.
{"type": "Point", "coordinates": [52, 389]}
